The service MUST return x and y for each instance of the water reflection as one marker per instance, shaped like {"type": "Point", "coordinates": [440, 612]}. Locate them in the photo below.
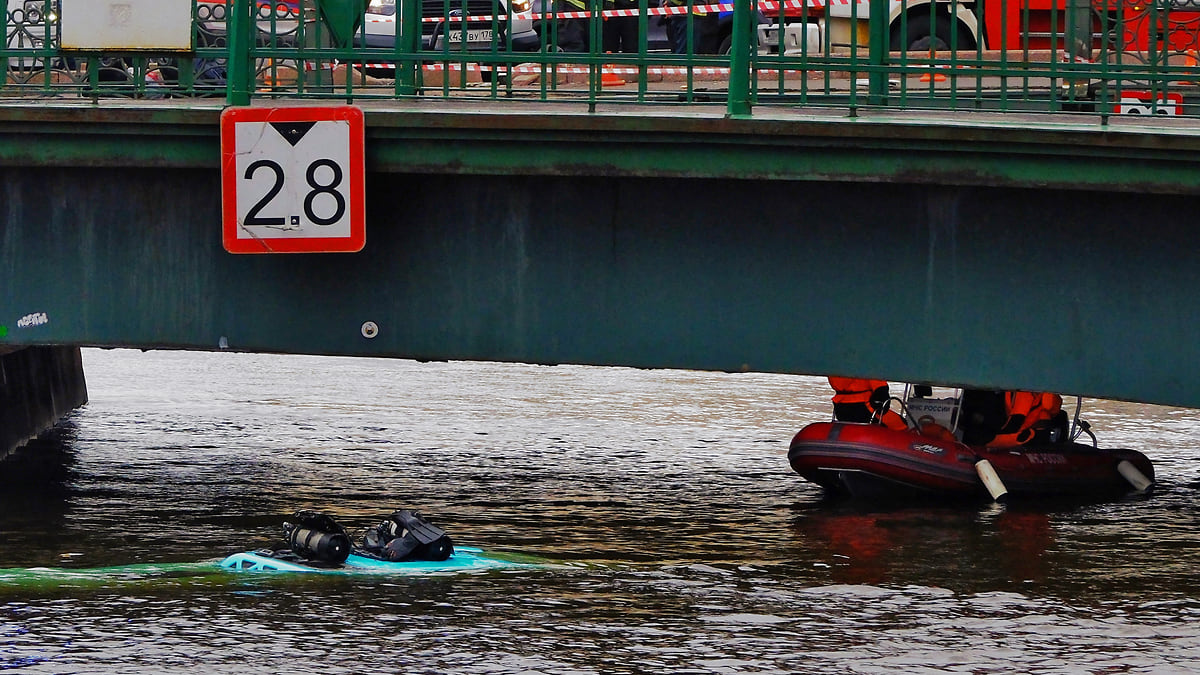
{"type": "Point", "coordinates": [960, 547]}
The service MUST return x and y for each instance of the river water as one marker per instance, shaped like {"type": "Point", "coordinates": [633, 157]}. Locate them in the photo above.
{"type": "Point", "coordinates": [677, 537]}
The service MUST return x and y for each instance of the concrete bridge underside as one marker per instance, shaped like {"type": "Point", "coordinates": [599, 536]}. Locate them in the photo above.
{"type": "Point", "coordinates": [1007, 256]}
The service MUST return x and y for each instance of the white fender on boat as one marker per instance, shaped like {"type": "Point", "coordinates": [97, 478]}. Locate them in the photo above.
{"type": "Point", "coordinates": [991, 480]}
{"type": "Point", "coordinates": [1136, 478]}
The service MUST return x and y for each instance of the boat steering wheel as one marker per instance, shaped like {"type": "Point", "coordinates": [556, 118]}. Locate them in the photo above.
{"type": "Point", "coordinates": [877, 415]}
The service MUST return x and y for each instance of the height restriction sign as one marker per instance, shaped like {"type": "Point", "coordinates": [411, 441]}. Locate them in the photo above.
{"type": "Point", "coordinates": [292, 180]}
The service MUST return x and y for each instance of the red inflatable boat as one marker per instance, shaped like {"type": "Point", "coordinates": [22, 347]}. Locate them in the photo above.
{"type": "Point", "coordinates": [872, 461]}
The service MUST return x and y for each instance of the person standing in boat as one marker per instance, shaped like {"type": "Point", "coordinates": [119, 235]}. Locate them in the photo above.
{"type": "Point", "coordinates": [1031, 417]}
{"type": "Point", "coordinates": [861, 400]}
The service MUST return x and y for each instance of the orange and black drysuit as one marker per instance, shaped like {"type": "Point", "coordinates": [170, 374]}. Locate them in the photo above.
{"type": "Point", "coordinates": [858, 400]}
{"type": "Point", "coordinates": [1029, 414]}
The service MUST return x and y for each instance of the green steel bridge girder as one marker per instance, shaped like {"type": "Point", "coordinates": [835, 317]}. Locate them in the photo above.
{"type": "Point", "coordinates": [1011, 149]}
{"type": "Point", "coordinates": [951, 250]}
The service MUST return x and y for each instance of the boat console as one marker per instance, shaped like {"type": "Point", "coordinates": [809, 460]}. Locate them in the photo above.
{"type": "Point", "coordinates": [933, 413]}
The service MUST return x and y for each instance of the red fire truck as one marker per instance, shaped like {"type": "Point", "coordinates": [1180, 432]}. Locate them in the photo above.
{"type": "Point", "coordinates": [939, 25]}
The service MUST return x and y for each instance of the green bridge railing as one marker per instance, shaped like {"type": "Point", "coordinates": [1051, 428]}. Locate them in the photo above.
{"type": "Point", "coordinates": [1069, 56]}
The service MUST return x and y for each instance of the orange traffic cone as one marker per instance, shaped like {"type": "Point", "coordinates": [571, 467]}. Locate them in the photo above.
{"type": "Point", "coordinates": [268, 78]}
{"type": "Point", "coordinates": [933, 75]}
{"type": "Point", "coordinates": [609, 77]}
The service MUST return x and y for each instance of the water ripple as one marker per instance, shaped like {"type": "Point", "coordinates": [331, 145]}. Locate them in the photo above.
{"type": "Point", "coordinates": [685, 543]}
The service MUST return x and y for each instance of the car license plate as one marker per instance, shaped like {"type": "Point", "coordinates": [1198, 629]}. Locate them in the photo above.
{"type": "Point", "coordinates": [478, 35]}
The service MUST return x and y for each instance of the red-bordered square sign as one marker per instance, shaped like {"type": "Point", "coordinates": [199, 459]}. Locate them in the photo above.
{"type": "Point", "coordinates": [292, 180]}
{"type": "Point", "coordinates": [1149, 103]}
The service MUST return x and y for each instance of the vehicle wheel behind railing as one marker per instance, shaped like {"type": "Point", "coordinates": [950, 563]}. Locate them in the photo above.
{"type": "Point", "coordinates": [726, 42]}
{"type": "Point", "coordinates": [923, 34]}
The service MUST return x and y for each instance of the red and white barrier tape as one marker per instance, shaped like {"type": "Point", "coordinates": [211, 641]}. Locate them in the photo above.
{"type": "Point", "coordinates": [766, 6]}
{"type": "Point", "coordinates": [570, 70]}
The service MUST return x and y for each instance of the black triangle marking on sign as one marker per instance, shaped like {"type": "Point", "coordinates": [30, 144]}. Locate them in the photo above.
{"type": "Point", "coordinates": [292, 132]}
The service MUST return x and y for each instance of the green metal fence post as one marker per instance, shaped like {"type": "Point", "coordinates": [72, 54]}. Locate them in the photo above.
{"type": "Point", "coordinates": [877, 53]}
{"type": "Point", "coordinates": [4, 26]}
{"type": "Point", "coordinates": [239, 39]}
{"type": "Point", "coordinates": [643, 48]}
{"type": "Point", "coordinates": [595, 42]}
{"type": "Point", "coordinates": [408, 41]}
{"type": "Point", "coordinates": [1160, 51]}
{"type": "Point", "coordinates": [314, 40]}
{"type": "Point", "coordinates": [738, 104]}
{"type": "Point", "coordinates": [342, 19]}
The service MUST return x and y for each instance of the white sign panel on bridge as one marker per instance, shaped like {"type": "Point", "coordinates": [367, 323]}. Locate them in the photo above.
{"type": "Point", "coordinates": [126, 24]}
{"type": "Point", "coordinates": [292, 180]}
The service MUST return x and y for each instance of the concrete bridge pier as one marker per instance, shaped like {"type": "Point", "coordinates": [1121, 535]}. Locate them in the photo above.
{"type": "Point", "coordinates": [38, 385]}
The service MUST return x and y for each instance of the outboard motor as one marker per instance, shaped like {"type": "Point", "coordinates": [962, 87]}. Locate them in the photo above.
{"type": "Point", "coordinates": [405, 536]}
{"type": "Point", "coordinates": [316, 536]}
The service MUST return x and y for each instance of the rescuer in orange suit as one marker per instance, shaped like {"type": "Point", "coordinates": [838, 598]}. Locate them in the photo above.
{"type": "Point", "coordinates": [1031, 416]}
{"type": "Point", "coordinates": [858, 400]}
